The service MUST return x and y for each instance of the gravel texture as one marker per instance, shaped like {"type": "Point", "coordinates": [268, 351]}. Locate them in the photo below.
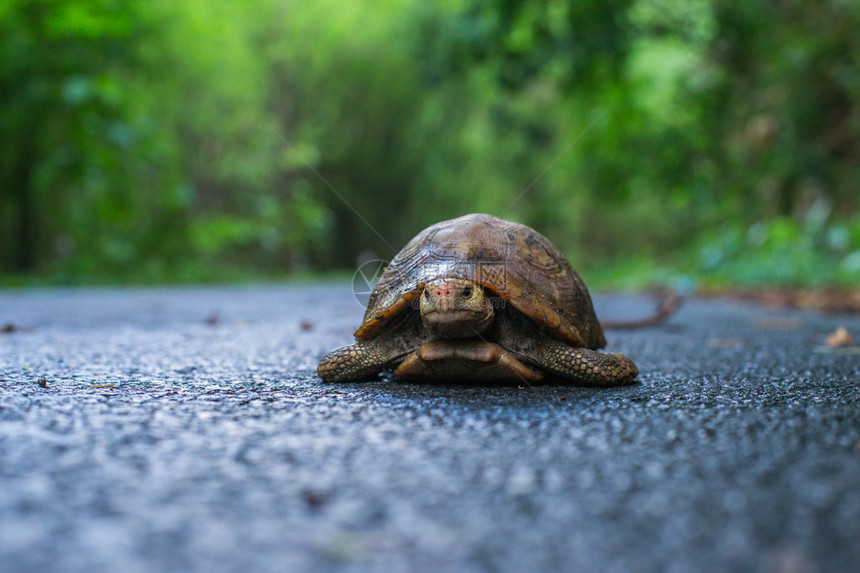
{"type": "Point", "coordinates": [185, 430]}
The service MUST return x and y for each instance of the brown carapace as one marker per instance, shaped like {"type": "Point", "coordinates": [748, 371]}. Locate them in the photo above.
{"type": "Point", "coordinates": [535, 313]}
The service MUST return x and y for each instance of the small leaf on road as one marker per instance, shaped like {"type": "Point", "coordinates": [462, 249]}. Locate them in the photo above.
{"type": "Point", "coordinates": [840, 337]}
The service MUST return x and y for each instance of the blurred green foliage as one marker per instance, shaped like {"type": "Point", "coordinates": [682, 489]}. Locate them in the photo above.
{"type": "Point", "coordinates": [187, 140]}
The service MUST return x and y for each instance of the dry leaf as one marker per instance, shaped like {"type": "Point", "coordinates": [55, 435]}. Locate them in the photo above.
{"type": "Point", "coordinates": [840, 337]}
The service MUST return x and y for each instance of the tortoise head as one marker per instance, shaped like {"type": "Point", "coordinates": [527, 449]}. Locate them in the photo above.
{"type": "Point", "coordinates": [455, 308]}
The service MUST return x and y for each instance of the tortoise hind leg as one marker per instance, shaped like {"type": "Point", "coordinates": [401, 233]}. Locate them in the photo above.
{"type": "Point", "coordinates": [355, 362]}
{"type": "Point", "coordinates": [585, 366]}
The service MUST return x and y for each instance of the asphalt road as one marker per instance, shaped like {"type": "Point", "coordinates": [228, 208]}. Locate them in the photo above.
{"type": "Point", "coordinates": [185, 430]}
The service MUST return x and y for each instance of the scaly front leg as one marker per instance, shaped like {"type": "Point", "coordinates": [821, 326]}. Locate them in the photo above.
{"type": "Point", "coordinates": [355, 362]}
{"type": "Point", "coordinates": [585, 366]}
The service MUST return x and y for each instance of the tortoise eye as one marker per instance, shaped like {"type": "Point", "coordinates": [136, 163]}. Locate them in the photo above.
{"type": "Point", "coordinates": [426, 294]}
{"type": "Point", "coordinates": [467, 292]}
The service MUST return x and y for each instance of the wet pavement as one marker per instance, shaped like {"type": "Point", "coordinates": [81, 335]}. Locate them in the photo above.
{"type": "Point", "coordinates": [184, 429]}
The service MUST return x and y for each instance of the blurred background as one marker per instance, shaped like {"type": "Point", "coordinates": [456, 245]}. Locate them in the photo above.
{"type": "Point", "coordinates": [220, 140]}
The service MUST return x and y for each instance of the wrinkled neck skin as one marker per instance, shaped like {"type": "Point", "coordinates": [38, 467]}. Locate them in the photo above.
{"type": "Point", "coordinates": [455, 308]}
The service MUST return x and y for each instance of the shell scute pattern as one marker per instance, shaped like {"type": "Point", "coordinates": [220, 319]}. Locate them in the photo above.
{"type": "Point", "coordinates": [515, 262]}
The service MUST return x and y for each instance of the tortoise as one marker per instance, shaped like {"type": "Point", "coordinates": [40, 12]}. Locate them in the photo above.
{"type": "Point", "coordinates": [479, 298]}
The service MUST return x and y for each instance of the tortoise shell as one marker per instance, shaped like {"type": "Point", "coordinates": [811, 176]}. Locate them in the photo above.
{"type": "Point", "coordinates": [511, 260]}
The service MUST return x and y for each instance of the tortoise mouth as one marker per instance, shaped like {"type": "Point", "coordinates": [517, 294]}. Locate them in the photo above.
{"type": "Point", "coordinates": [457, 323]}
{"type": "Point", "coordinates": [454, 308]}
{"type": "Point", "coordinates": [449, 316]}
